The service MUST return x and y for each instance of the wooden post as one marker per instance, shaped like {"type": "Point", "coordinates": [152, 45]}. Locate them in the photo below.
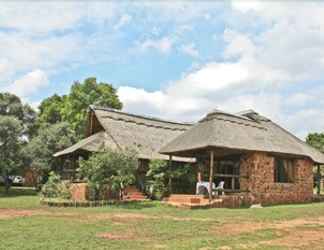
{"type": "Point", "coordinates": [319, 177]}
{"type": "Point", "coordinates": [170, 180]}
{"type": "Point", "coordinates": [211, 175]}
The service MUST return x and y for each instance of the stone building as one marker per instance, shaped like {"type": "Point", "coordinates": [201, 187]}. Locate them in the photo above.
{"type": "Point", "coordinates": [257, 160]}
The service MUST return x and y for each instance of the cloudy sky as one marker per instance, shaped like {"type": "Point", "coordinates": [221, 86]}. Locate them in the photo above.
{"type": "Point", "coordinates": [173, 60]}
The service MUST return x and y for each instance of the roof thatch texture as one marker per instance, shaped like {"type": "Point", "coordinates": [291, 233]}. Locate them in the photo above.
{"type": "Point", "coordinates": [92, 143]}
{"type": "Point", "coordinates": [146, 135]}
{"type": "Point", "coordinates": [246, 131]}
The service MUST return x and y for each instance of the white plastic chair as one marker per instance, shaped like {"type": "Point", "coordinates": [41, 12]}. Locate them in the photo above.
{"type": "Point", "coordinates": [220, 187]}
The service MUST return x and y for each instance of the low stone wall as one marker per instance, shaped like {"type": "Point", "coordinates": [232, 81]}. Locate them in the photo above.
{"type": "Point", "coordinates": [79, 191]}
{"type": "Point", "coordinates": [257, 171]}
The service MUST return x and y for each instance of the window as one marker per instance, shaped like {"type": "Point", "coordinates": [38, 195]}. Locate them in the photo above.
{"type": "Point", "coordinates": [284, 170]}
{"type": "Point", "coordinates": [228, 170]}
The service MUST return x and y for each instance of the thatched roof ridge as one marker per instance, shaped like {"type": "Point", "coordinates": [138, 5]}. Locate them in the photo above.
{"type": "Point", "coordinates": [92, 143]}
{"type": "Point", "coordinates": [122, 130]}
{"type": "Point", "coordinates": [246, 131]}
{"type": "Point", "coordinates": [104, 112]}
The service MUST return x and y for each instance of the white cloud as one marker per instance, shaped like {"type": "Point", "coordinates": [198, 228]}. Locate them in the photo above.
{"type": "Point", "coordinates": [247, 5]}
{"type": "Point", "coordinates": [28, 84]}
{"type": "Point", "coordinates": [190, 49]}
{"type": "Point", "coordinates": [260, 70]}
{"type": "Point", "coordinates": [163, 45]}
{"type": "Point", "coordinates": [124, 19]}
{"type": "Point", "coordinates": [42, 17]}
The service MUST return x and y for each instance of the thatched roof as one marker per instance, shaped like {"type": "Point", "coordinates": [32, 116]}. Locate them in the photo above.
{"type": "Point", "coordinates": [246, 131]}
{"type": "Point", "coordinates": [92, 143]}
{"type": "Point", "coordinates": [123, 130]}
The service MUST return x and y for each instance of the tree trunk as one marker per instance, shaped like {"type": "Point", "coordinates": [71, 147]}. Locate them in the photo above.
{"type": "Point", "coordinates": [7, 183]}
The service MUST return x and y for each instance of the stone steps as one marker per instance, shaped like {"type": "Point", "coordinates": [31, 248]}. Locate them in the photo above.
{"type": "Point", "coordinates": [192, 201]}
{"type": "Point", "coordinates": [132, 193]}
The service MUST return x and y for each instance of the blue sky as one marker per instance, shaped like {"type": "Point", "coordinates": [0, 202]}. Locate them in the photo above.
{"type": "Point", "coordinates": [175, 60]}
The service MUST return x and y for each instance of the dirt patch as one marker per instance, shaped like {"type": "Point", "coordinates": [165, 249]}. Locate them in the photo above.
{"type": "Point", "coordinates": [14, 213]}
{"type": "Point", "coordinates": [236, 229]}
{"type": "Point", "coordinates": [111, 236]}
{"type": "Point", "coordinates": [298, 238]}
{"type": "Point", "coordinates": [250, 227]}
{"type": "Point", "coordinates": [224, 248]}
{"type": "Point", "coordinates": [293, 234]}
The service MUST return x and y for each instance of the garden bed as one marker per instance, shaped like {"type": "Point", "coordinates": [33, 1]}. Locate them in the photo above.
{"type": "Point", "coordinates": [71, 203]}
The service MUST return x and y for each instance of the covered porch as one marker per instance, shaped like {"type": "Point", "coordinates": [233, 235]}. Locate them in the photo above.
{"type": "Point", "coordinates": [221, 179]}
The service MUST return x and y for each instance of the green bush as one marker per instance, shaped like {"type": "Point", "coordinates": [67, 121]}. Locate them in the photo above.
{"type": "Point", "coordinates": [157, 185]}
{"type": "Point", "coordinates": [55, 188]}
{"type": "Point", "coordinates": [165, 178]}
{"type": "Point", "coordinates": [110, 168]}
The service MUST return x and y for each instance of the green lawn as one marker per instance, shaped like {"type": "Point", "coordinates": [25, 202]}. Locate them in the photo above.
{"type": "Point", "coordinates": [24, 224]}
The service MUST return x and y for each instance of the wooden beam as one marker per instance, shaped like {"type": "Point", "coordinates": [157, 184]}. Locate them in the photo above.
{"type": "Point", "coordinates": [211, 175]}
{"type": "Point", "coordinates": [170, 180]}
{"type": "Point", "coordinates": [319, 177]}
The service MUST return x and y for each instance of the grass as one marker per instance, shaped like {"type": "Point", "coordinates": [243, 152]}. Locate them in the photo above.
{"type": "Point", "coordinates": [143, 225]}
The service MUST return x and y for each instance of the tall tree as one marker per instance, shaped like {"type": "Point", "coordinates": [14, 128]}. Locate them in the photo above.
{"type": "Point", "coordinates": [50, 109]}
{"type": "Point", "coordinates": [84, 94]}
{"type": "Point", "coordinates": [11, 105]}
{"type": "Point", "coordinates": [50, 139]}
{"type": "Point", "coordinates": [10, 144]}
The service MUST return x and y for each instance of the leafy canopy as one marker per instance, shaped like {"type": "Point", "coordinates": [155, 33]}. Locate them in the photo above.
{"type": "Point", "coordinates": [316, 140]}
{"type": "Point", "coordinates": [73, 107]}
{"type": "Point", "coordinates": [10, 145]}
{"type": "Point", "coordinates": [50, 109]}
{"type": "Point", "coordinates": [11, 105]}
{"type": "Point", "coordinates": [50, 139]}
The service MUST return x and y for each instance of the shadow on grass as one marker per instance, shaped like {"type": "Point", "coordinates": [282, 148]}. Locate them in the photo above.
{"type": "Point", "coordinates": [17, 191]}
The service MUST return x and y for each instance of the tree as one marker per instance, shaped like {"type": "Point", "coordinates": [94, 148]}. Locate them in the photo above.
{"type": "Point", "coordinates": [316, 140]}
{"type": "Point", "coordinates": [84, 94]}
{"type": "Point", "coordinates": [50, 109]}
{"type": "Point", "coordinates": [50, 139]}
{"type": "Point", "coordinates": [10, 145]}
{"type": "Point", "coordinates": [113, 168]}
{"type": "Point", "coordinates": [11, 105]}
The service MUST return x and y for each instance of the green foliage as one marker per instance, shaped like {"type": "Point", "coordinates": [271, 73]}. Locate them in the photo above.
{"type": "Point", "coordinates": [11, 105]}
{"type": "Point", "coordinates": [50, 109]}
{"type": "Point", "coordinates": [158, 175]}
{"type": "Point", "coordinates": [84, 94]}
{"type": "Point", "coordinates": [50, 139]}
{"type": "Point", "coordinates": [113, 168]}
{"type": "Point", "coordinates": [55, 188]}
{"type": "Point", "coordinates": [10, 145]}
{"type": "Point", "coordinates": [72, 108]}
{"type": "Point", "coordinates": [316, 140]}
{"type": "Point", "coordinates": [161, 175]}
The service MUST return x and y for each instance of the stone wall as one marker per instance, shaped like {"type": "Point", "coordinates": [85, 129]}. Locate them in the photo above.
{"type": "Point", "coordinates": [80, 192]}
{"type": "Point", "coordinates": [257, 177]}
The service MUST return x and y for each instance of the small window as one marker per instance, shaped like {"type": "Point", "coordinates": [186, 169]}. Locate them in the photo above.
{"type": "Point", "coordinates": [284, 170]}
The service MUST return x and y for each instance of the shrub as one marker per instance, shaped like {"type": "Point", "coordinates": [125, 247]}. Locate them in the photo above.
{"type": "Point", "coordinates": [161, 176]}
{"type": "Point", "coordinates": [113, 168]}
{"type": "Point", "coordinates": [158, 178]}
{"type": "Point", "coordinates": [55, 188]}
